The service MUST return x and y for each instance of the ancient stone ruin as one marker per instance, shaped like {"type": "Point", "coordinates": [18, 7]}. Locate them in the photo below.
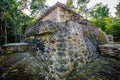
{"type": "Point", "coordinates": [64, 46]}
{"type": "Point", "coordinates": [60, 13]}
{"type": "Point", "coordinates": [111, 50]}
{"type": "Point", "coordinates": [62, 41]}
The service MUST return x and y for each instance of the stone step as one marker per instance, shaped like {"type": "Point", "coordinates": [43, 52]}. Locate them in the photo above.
{"type": "Point", "coordinates": [111, 50]}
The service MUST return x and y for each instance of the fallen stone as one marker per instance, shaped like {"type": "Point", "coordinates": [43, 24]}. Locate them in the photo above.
{"type": "Point", "coordinates": [111, 50]}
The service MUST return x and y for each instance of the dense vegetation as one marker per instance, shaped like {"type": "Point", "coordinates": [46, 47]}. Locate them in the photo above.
{"type": "Point", "coordinates": [14, 21]}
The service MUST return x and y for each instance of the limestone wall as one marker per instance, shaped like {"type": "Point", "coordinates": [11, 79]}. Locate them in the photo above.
{"type": "Point", "coordinates": [110, 50]}
{"type": "Point", "coordinates": [61, 47]}
{"type": "Point", "coordinates": [53, 16]}
{"type": "Point", "coordinates": [67, 15]}
{"type": "Point", "coordinates": [61, 15]}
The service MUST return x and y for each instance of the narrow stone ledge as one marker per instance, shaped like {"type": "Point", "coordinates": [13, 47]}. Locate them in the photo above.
{"type": "Point", "coordinates": [111, 50]}
{"type": "Point", "coordinates": [14, 47]}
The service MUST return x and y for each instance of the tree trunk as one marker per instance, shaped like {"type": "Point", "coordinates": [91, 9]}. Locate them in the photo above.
{"type": "Point", "coordinates": [15, 33]}
{"type": "Point", "coordinates": [5, 36]}
{"type": "Point", "coordinates": [1, 32]}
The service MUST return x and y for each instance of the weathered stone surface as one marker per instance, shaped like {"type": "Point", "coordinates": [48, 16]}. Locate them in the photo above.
{"type": "Point", "coordinates": [102, 68]}
{"type": "Point", "coordinates": [59, 52]}
{"type": "Point", "coordinates": [19, 66]}
{"type": "Point", "coordinates": [93, 37]}
{"type": "Point", "coordinates": [111, 50]}
{"type": "Point", "coordinates": [59, 13]}
{"type": "Point", "coordinates": [63, 46]}
{"type": "Point", "coordinates": [25, 66]}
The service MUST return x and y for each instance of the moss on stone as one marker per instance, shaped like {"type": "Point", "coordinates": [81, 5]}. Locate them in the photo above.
{"type": "Point", "coordinates": [102, 37]}
{"type": "Point", "coordinates": [45, 34]}
{"type": "Point", "coordinates": [102, 68]}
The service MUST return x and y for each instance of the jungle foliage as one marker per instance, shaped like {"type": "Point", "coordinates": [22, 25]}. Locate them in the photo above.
{"type": "Point", "coordinates": [14, 20]}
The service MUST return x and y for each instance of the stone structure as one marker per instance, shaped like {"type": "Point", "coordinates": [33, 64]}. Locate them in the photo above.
{"type": "Point", "coordinates": [14, 48]}
{"type": "Point", "coordinates": [62, 41]}
{"type": "Point", "coordinates": [60, 13]}
{"type": "Point", "coordinates": [63, 46]}
{"type": "Point", "coordinates": [110, 37]}
{"type": "Point", "coordinates": [111, 50]}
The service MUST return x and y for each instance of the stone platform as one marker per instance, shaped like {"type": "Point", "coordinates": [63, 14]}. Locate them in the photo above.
{"type": "Point", "coordinates": [111, 50]}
